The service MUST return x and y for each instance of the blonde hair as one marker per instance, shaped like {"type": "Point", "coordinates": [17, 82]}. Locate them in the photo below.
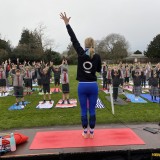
{"type": "Point", "coordinates": [89, 43]}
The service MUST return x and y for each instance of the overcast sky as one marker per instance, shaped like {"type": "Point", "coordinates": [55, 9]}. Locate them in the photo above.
{"type": "Point", "coordinates": [137, 20]}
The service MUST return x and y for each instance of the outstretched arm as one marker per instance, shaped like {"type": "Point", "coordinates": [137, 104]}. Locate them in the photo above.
{"type": "Point", "coordinates": [73, 37]}
{"type": "Point", "coordinates": [65, 18]}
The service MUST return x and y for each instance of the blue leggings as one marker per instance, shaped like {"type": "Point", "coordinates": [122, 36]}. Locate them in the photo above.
{"type": "Point", "coordinates": [88, 90]}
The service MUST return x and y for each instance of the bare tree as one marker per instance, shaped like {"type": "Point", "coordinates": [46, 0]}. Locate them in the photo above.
{"type": "Point", "coordinates": [43, 38]}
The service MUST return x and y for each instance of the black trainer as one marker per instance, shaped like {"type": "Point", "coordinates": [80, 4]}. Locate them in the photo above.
{"type": "Point", "coordinates": [62, 102]}
{"type": "Point", "coordinates": [44, 101]}
{"type": "Point", "coordinates": [68, 101]}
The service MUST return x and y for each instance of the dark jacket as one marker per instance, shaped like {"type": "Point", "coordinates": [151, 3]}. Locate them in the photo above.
{"type": "Point", "coordinates": [87, 67]}
{"type": "Point", "coordinates": [45, 77]}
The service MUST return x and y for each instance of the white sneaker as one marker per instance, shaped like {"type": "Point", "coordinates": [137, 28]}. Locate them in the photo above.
{"type": "Point", "coordinates": [85, 135]}
{"type": "Point", "coordinates": [91, 135]}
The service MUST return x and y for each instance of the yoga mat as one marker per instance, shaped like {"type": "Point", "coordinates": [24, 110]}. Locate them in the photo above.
{"type": "Point", "coordinates": [25, 93]}
{"type": "Point", "coordinates": [120, 91]}
{"type": "Point", "coordinates": [6, 94]}
{"type": "Point", "coordinates": [19, 107]}
{"type": "Point", "coordinates": [99, 104]}
{"type": "Point", "coordinates": [42, 93]}
{"type": "Point", "coordinates": [132, 98]}
{"type": "Point", "coordinates": [129, 88]}
{"type": "Point", "coordinates": [148, 97]}
{"type": "Point", "coordinates": [145, 90]}
{"type": "Point", "coordinates": [56, 90]}
{"type": "Point", "coordinates": [46, 105]}
{"type": "Point", "coordinates": [15, 107]}
{"type": "Point", "coordinates": [35, 84]}
{"type": "Point", "coordinates": [35, 89]}
{"type": "Point", "coordinates": [74, 139]}
{"type": "Point", "coordinates": [73, 103]}
{"type": "Point", "coordinates": [118, 102]}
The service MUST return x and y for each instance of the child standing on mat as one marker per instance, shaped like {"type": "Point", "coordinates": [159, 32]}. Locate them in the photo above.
{"type": "Point", "coordinates": [57, 75]}
{"type": "Point", "coordinates": [45, 77]}
{"type": "Point", "coordinates": [65, 85]}
{"type": "Point", "coordinates": [88, 64]}
{"type": "Point", "coordinates": [153, 87]}
{"type": "Point", "coordinates": [143, 77]}
{"type": "Point", "coordinates": [126, 76]}
{"type": "Point", "coordinates": [39, 79]}
{"type": "Point", "coordinates": [104, 74]}
{"type": "Point", "coordinates": [2, 81]}
{"type": "Point", "coordinates": [121, 77]}
{"type": "Point", "coordinates": [137, 88]}
{"type": "Point", "coordinates": [109, 77]}
{"type": "Point", "coordinates": [18, 85]}
{"type": "Point", "coordinates": [116, 83]}
{"type": "Point", "coordinates": [28, 79]}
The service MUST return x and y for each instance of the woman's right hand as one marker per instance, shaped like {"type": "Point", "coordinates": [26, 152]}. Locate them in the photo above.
{"type": "Point", "coordinates": [65, 18]}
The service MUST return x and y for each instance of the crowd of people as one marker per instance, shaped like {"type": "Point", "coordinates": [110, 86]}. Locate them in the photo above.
{"type": "Point", "coordinates": [139, 74]}
{"type": "Point", "coordinates": [22, 76]}
{"type": "Point", "coordinates": [89, 63]}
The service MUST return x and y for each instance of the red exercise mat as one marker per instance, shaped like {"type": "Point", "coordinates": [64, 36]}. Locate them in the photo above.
{"type": "Point", "coordinates": [73, 103]}
{"type": "Point", "coordinates": [55, 90]}
{"type": "Point", "coordinates": [73, 139]}
{"type": "Point", "coordinates": [25, 93]}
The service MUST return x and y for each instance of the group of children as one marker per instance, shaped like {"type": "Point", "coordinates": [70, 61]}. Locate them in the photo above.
{"type": "Point", "coordinates": [23, 75]}
{"type": "Point", "coordinates": [121, 74]}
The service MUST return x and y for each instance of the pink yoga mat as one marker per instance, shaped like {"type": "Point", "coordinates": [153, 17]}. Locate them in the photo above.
{"type": "Point", "coordinates": [73, 139]}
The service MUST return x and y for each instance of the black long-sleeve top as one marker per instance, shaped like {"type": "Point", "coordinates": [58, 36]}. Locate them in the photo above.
{"type": "Point", "coordinates": [45, 77]}
{"type": "Point", "coordinates": [137, 81]}
{"type": "Point", "coordinates": [116, 81]}
{"type": "Point", "coordinates": [153, 81]}
{"type": "Point", "coordinates": [158, 73]}
{"type": "Point", "coordinates": [87, 67]}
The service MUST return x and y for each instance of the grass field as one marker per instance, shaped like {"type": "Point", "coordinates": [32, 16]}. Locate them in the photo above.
{"type": "Point", "coordinates": [32, 117]}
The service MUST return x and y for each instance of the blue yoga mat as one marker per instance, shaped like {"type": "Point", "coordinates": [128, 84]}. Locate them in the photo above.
{"type": "Point", "coordinates": [148, 97]}
{"type": "Point", "coordinates": [19, 107]}
{"type": "Point", "coordinates": [132, 98]}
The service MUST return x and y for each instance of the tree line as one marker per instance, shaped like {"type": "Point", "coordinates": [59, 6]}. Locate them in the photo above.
{"type": "Point", "coordinates": [34, 46]}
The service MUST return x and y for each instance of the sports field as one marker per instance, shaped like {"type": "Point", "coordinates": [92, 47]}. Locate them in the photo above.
{"type": "Point", "coordinates": [31, 117]}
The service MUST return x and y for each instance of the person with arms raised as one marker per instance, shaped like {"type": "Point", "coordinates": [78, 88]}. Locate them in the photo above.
{"type": "Point", "coordinates": [88, 64]}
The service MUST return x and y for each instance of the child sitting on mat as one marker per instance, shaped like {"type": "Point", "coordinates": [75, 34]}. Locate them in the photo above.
{"type": "Point", "coordinates": [153, 85]}
{"type": "Point", "coordinates": [137, 88]}
{"type": "Point", "coordinates": [65, 85]}
{"type": "Point", "coordinates": [45, 77]}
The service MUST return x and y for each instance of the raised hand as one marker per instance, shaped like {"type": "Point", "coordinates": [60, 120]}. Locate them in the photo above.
{"type": "Point", "coordinates": [65, 18]}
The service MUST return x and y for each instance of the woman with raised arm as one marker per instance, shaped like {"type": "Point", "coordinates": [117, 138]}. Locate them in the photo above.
{"type": "Point", "coordinates": [88, 64]}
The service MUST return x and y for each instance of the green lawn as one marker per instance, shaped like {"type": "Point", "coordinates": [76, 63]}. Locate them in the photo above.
{"type": "Point", "coordinates": [32, 117]}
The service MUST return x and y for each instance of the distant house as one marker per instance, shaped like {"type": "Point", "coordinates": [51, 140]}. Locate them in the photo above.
{"type": "Point", "coordinates": [136, 58]}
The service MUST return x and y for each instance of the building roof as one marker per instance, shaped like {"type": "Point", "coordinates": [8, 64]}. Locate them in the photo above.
{"type": "Point", "coordinates": [138, 56]}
